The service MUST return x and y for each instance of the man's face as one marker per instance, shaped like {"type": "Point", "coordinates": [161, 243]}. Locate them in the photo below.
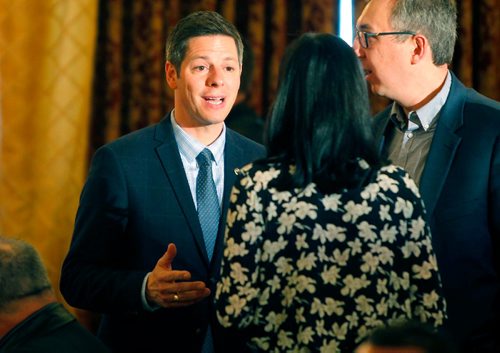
{"type": "Point", "coordinates": [208, 81]}
{"type": "Point", "coordinates": [386, 60]}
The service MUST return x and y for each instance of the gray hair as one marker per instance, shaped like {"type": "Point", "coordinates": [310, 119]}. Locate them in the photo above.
{"type": "Point", "coordinates": [435, 19]}
{"type": "Point", "coordinates": [196, 24]}
{"type": "Point", "coordinates": [22, 272]}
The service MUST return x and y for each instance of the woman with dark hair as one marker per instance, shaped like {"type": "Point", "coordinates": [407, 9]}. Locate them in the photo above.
{"type": "Point", "coordinates": [324, 241]}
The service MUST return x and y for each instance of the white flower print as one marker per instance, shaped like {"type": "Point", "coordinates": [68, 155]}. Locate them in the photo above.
{"type": "Point", "coordinates": [252, 232]}
{"type": "Point", "coordinates": [305, 335]}
{"type": "Point", "coordinates": [431, 300]}
{"type": "Point", "coordinates": [274, 321]}
{"type": "Point", "coordinates": [299, 315]}
{"type": "Point", "coordinates": [274, 284]}
{"type": "Point", "coordinates": [331, 202]}
{"type": "Point", "coordinates": [417, 228]}
{"type": "Point", "coordinates": [370, 263]}
{"type": "Point", "coordinates": [283, 266]}
{"type": "Point", "coordinates": [271, 248]}
{"type": "Point", "coordinates": [271, 211]}
{"type": "Point", "coordinates": [280, 196]}
{"type": "Point", "coordinates": [238, 273]}
{"type": "Point", "coordinates": [411, 248]}
{"type": "Point", "coordinates": [370, 192]}
{"type": "Point", "coordinates": [388, 234]}
{"type": "Point", "coordinates": [329, 347]}
{"type": "Point", "coordinates": [235, 305]}
{"type": "Point", "coordinates": [308, 272]}
{"type": "Point", "coordinates": [339, 332]}
{"type": "Point", "coordinates": [404, 206]}
{"type": "Point", "coordinates": [288, 296]}
{"type": "Point", "coordinates": [356, 246]}
{"type": "Point", "coordinates": [304, 209]}
{"type": "Point", "coordinates": [354, 211]}
{"type": "Point", "coordinates": [387, 183]}
{"type": "Point", "coordinates": [308, 191]}
{"type": "Point", "coordinates": [333, 307]}
{"type": "Point", "coordinates": [366, 231]}
{"type": "Point", "coordinates": [353, 284]}
{"type": "Point", "coordinates": [261, 179]}
{"type": "Point", "coordinates": [341, 258]}
{"type": "Point", "coordinates": [301, 242]}
{"type": "Point", "coordinates": [307, 262]}
{"type": "Point", "coordinates": [385, 213]}
{"type": "Point", "coordinates": [241, 212]}
{"type": "Point", "coordinates": [286, 222]}
{"type": "Point", "coordinates": [424, 271]}
{"type": "Point", "coordinates": [410, 184]}
{"type": "Point", "coordinates": [233, 249]}
{"type": "Point", "coordinates": [330, 275]}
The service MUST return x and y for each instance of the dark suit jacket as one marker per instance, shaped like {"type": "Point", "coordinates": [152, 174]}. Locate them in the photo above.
{"type": "Point", "coordinates": [460, 186]}
{"type": "Point", "coordinates": [135, 202]}
{"type": "Point", "coordinates": [51, 329]}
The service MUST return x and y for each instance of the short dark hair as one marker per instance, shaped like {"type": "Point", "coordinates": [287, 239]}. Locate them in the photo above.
{"type": "Point", "coordinates": [320, 120]}
{"type": "Point", "coordinates": [196, 24]}
{"type": "Point", "coordinates": [411, 334]}
{"type": "Point", "coordinates": [22, 272]}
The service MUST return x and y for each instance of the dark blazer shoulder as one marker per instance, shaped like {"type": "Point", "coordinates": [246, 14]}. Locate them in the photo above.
{"type": "Point", "coordinates": [244, 145]}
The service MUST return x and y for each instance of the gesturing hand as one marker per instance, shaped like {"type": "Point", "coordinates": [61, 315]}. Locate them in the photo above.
{"type": "Point", "coordinates": [170, 288]}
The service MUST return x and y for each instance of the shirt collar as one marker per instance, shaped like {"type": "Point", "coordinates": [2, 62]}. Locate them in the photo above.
{"type": "Point", "coordinates": [428, 112]}
{"type": "Point", "coordinates": [189, 147]}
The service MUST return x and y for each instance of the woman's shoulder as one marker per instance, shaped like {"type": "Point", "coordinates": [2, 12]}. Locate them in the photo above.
{"type": "Point", "coordinates": [258, 167]}
{"type": "Point", "coordinates": [392, 174]}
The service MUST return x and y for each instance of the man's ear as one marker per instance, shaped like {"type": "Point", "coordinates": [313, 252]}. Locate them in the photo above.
{"type": "Point", "coordinates": [171, 75]}
{"type": "Point", "coordinates": [420, 48]}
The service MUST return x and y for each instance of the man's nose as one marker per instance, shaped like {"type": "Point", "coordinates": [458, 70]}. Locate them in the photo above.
{"type": "Point", "coordinates": [215, 78]}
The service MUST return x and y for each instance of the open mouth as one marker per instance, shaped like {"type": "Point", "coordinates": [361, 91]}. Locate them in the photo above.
{"type": "Point", "coordinates": [214, 100]}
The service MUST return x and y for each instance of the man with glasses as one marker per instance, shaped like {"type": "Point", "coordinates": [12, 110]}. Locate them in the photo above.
{"type": "Point", "coordinates": [448, 138]}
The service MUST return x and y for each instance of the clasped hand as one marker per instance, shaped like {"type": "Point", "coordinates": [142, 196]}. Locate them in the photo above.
{"type": "Point", "coordinates": [172, 288]}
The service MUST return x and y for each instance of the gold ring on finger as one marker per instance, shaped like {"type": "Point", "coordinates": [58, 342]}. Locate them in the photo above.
{"type": "Point", "coordinates": [176, 297]}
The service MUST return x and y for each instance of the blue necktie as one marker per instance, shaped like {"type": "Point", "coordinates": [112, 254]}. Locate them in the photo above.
{"type": "Point", "coordinates": [208, 214]}
{"type": "Point", "coordinates": [207, 201]}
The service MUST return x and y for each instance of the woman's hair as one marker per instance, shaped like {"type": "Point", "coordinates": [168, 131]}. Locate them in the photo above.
{"type": "Point", "coordinates": [320, 120]}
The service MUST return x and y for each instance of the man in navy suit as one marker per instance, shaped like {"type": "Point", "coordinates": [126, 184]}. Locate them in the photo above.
{"type": "Point", "coordinates": [138, 253]}
{"type": "Point", "coordinates": [448, 138]}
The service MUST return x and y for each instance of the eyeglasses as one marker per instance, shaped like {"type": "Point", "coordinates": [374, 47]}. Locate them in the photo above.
{"type": "Point", "coordinates": [364, 36]}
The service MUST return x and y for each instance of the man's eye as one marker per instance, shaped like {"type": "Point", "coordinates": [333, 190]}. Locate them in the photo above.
{"type": "Point", "coordinates": [200, 68]}
{"type": "Point", "coordinates": [230, 68]}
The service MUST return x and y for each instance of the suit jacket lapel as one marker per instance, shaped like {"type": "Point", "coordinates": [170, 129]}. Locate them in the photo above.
{"type": "Point", "coordinates": [168, 153]}
{"type": "Point", "coordinates": [444, 146]}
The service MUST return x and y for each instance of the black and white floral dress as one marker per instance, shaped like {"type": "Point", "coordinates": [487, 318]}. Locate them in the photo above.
{"type": "Point", "coordinates": [304, 271]}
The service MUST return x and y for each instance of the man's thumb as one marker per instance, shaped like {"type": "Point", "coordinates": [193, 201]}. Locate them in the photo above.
{"type": "Point", "coordinates": [166, 260]}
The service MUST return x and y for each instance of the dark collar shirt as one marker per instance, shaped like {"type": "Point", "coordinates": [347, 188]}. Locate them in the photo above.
{"type": "Point", "coordinates": [411, 139]}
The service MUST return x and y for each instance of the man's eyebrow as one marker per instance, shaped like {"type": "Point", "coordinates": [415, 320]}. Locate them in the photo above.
{"type": "Point", "coordinates": [363, 27]}
{"type": "Point", "coordinates": [204, 57]}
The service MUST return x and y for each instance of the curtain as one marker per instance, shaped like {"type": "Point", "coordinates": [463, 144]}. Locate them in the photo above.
{"type": "Point", "coordinates": [46, 70]}
{"type": "Point", "coordinates": [477, 51]}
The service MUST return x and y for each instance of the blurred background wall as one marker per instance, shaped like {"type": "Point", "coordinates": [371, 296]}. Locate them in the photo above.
{"type": "Point", "coordinates": [75, 74]}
